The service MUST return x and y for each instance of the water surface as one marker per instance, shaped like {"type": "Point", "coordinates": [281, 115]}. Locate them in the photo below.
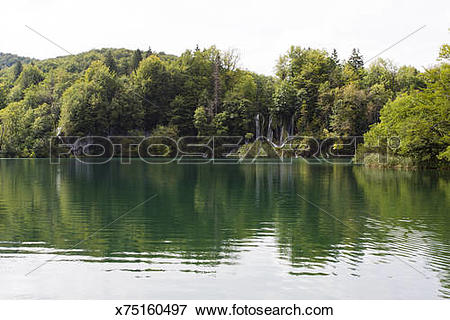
{"type": "Point", "coordinates": [266, 231]}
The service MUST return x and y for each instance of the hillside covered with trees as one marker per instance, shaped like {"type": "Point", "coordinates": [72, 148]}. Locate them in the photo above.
{"type": "Point", "coordinates": [204, 92]}
{"type": "Point", "coordinates": [8, 59]}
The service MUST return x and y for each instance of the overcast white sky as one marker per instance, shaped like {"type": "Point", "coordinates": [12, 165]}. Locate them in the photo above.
{"type": "Point", "coordinates": [261, 30]}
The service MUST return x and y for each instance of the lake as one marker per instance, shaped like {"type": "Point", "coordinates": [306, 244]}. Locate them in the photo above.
{"type": "Point", "coordinates": [218, 231]}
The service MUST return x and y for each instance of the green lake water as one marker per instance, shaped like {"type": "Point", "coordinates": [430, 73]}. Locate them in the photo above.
{"type": "Point", "coordinates": [210, 231]}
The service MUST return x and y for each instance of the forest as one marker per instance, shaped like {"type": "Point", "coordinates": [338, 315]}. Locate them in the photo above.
{"type": "Point", "coordinates": [121, 92]}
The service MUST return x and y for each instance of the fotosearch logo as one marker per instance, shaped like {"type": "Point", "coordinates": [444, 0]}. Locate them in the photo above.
{"type": "Point", "coordinates": [203, 149]}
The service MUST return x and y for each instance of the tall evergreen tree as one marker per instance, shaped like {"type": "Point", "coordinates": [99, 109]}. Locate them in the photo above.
{"type": "Point", "coordinates": [110, 62]}
{"type": "Point", "coordinates": [136, 58]}
{"type": "Point", "coordinates": [356, 59]}
{"type": "Point", "coordinates": [149, 52]}
{"type": "Point", "coordinates": [17, 70]}
{"type": "Point", "coordinates": [334, 56]}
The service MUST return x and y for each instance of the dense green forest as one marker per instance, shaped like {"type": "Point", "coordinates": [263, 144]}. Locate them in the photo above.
{"type": "Point", "coordinates": [8, 59]}
{"type": "Point", "coordinates": [205, 92]}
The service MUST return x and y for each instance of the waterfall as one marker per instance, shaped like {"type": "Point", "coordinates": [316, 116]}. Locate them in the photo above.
{"type": "Point", "coordinates": [257, 133]}
{"type": "Point", "coordinates": [282, 131]}
{"type": "Point", "coordinates": [291, 131]}
{"type": "Point", "coordinates": [269, 130]}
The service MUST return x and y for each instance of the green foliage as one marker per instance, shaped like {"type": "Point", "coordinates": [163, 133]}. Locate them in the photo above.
{"type": "Point", "coordinates": [15, 129]}
{"type": "Point", "coordinates": [201, 121]}
{"type": "Point", "coordinates": [152, 87]}
{"type": "Point", "coordinates": [349, 111]}
{"type": "Point", "coordinates": [444, 53]}
{"type": "Point", "coordinates": [409, 79]}
{"type": "Point", "coordinates": [302, 73]}
{"type": "Point", "coordinates": [285, 101]}
{"type": "Point", "coordinates": [4, 90]}
{"type": "Point", "coordinates": [382, 72]}
{"type": "Point", "coordinates": [420, 120]}
{"type": "Point", "coordinates": [377, 97]}
{"type": "Point", "coordinates": [161, 146]}
{"type": "Point", "coordinates": [182, 115]}
{"type": "Point", "coordinates": [99, 104]}
{"type": "Point", "coordinates": [166, 131]}
{"type": "Point", "coordinates": [30, 75]}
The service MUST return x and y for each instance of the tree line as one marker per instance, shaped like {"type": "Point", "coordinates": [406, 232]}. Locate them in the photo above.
{"type": "Point", "coordinates": [205, 92]}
